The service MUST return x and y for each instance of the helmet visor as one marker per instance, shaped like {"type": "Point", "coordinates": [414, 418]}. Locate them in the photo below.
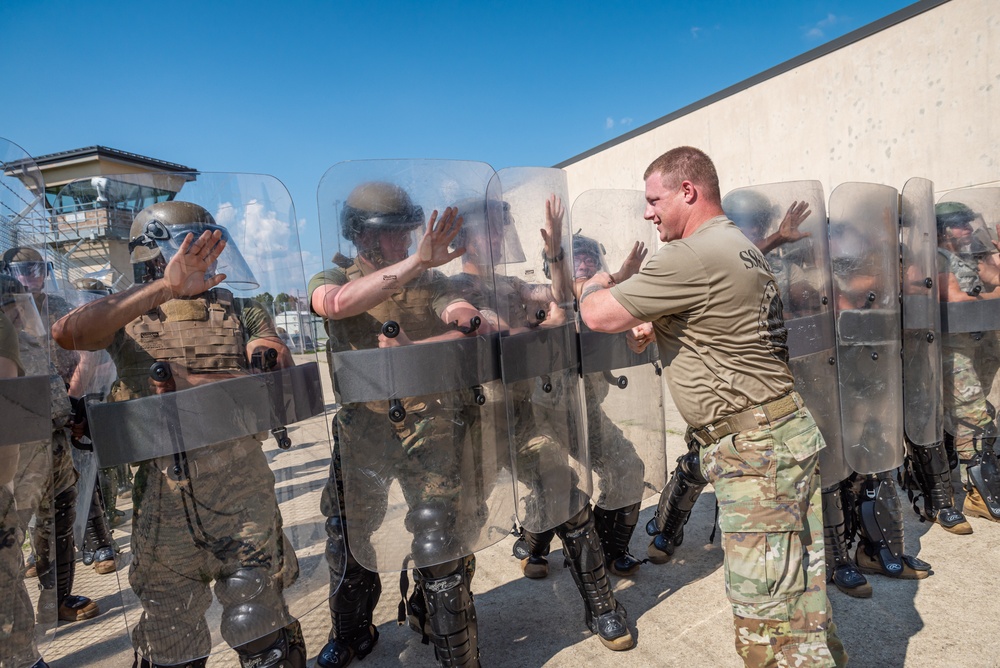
{"type": "Point", "coordinates": [230, 262]}
{"type": "Point", "coordinates": [20, 310]}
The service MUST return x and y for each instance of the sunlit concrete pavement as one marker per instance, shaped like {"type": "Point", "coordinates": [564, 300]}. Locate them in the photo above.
{"type": "Point", "coordinates": [678, 611]}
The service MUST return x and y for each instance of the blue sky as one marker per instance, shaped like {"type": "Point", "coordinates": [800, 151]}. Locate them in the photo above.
{"type": "Point", "coordinates": [291, 88]}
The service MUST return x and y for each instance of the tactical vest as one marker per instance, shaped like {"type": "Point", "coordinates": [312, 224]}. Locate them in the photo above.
{"type": "Point", "coordinates": [200, 334]}
{"type": "Point", "coordinates": [966, 271]}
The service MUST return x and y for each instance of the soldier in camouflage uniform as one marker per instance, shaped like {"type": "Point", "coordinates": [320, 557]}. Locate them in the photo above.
{"type": "Point", "coordinates": [28, 267]}
{"type": "Point", "coordinates": [422, 451]}
{"type": "Point", "coordinates": [969, 271]}
{"type": "Point", "coordinates": [18, 647]}
{"type": "Point", "coordinates": [613, 456]}
{"type": "Point", "coordinates": [209, 513]}
{"type": "Point", "coordinates": [704, 293]}
{"type": "Point", "coordinates": [535, 444]}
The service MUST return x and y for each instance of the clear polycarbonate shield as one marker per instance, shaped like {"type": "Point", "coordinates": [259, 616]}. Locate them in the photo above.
{"type": "Point", "coordinates": [923, 410]}
{"type": "Point", "coordinates": [31, 397]}
{"type": "Point", "coordinates": [623, 391]}
{"type": "Point", "coordinates": [421, 429]}
{"type": "Point", "coordinates": [966, 223]}
{"type": "Point", "coordinates": [224, 426]}
{"type": "Point", "coordinates": [92, 376]}
{"type": "Point", "coordinates": [540, 354]}
{"type": "Point", "coordinates": [787, 222]}
{"type": "Point", "coordinates": [864, 258]}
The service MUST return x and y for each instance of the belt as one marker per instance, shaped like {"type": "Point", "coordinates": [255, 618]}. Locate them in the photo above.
{"type": "Point", "coordinates": [756, 416]}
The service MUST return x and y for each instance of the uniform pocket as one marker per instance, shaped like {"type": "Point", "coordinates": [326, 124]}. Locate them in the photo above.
{"type": "Point", "coordinates": [807, 442]}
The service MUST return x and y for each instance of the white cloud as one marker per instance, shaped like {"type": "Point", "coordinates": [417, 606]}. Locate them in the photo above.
{"type": "Point", "coordinates": [695, 31]}
{"type": "Point", "coordinates": [609, 123]}
{"type": "Point", "coordinates": [626, 121]}
{"type": "Point", "coordinates": [268, 243]}
{"type": "Point", "coordinates": [818, 30]}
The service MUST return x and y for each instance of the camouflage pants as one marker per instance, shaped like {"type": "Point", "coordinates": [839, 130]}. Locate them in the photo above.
{"type": "Point", "coordinates": [768, 487]}
{"type": "Point", "coordinates": [17, 619]}
{"type": "Point", "coordinates": [542, 463]}
{"type": "Point", "coordinates": [970, 363]}
{"type": "Point", "coordinates": [219, 518]}
{"type": "Point", "coordinates": [423, 454]}
{"type": "Point", "coordinates": [614, 459]}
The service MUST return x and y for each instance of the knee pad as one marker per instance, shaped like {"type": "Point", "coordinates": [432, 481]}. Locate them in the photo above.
{"type": "Point", "coordinates": [432, 524]}
{"type": "Point", "coordinates": [678, 498]}
{"type": "Point", "coordinates": [252, 605]}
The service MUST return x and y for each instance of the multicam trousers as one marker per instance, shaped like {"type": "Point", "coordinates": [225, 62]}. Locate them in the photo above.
{"type": "Point", "coordinates": [220, 516]}
{"type": "Point", "coordinates": [970, 364]}
{"type": "Point", "coordinates": [768, 487]}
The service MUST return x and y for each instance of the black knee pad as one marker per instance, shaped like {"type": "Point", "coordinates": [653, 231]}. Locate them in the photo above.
{"type": "Point", "coordinates": [432, 524]}
{"type": "Point", "coordinates": [251, 605]}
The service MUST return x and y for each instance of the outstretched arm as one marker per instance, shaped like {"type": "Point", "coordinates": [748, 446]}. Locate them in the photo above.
{"type": "Point", "coordinates": [361, 295]}
{"type": "Point", "coordinates": [93, 326]}
{"type": "Point", "coordinates": [788, 230]}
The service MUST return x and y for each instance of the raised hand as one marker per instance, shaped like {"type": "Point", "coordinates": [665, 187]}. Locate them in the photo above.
{"type": "Point", "coordinates": [433, 246]}
{"type": "Point", "coordinates": [185, 274]}
{"type": "Point", "coordinates": [788, 230]}
{"type": "Point", "coordinates": [552, 232]}
{"type": "Point", "coordinates": [632, 262]}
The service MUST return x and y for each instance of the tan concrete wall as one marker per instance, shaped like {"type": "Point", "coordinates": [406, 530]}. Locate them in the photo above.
{"type": "Point", "coordinates": [920, 98]}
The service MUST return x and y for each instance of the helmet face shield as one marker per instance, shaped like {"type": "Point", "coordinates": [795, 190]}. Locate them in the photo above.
{"type": "Point", "coordinates": [21, 311]}
{"type": "Point", "coordinates": [230, 262]}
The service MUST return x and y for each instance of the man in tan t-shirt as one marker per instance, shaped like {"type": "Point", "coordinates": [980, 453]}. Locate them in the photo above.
{"type": "Point", "coordinates": [711, 302]}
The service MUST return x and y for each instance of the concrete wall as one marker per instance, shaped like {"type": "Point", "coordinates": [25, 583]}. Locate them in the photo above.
{"type": "Point", "coordinates": [918, 98]}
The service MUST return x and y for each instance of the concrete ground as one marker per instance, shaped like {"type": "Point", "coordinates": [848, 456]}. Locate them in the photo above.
{"type": "Point", "coordinates": [678, 611]}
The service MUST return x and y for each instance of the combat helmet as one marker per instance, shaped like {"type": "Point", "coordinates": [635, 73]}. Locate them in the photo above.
{"type": "Point", "coordinates": [958, 215]}
{"type": "Point", "coordinates": [22, 261]}
{"type": "Point", "coordinates": [159, 230]}
{"type": "Point", "coordinates": [750, 210]}
{"type": "Point", "coordinates": [377, 205]}
{"type": "Point", "coordinates": [585, 246]}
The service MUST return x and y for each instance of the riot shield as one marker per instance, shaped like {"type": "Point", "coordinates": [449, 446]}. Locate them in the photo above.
{"type": "Point", "coordinates": [864, 259]}
{"type": "Point", "coordinates": [93, 374]}
{"type": "Point", "coordinates": [539, 353]}
{"type": "Point", "coordinates": [923, 410]}
{"type": "Point", "coordinates": [970, 315]}
{"type": "Point", "coordinates": [421, 432]}
{"type": "Point", "coordinates": [624, 398]}
{"type": "Point", "coordinates": [787, 221]}
{"type": "Point", "coordinates": [203, 381]}
{"type": "Point", "coordinates": [30, 403]}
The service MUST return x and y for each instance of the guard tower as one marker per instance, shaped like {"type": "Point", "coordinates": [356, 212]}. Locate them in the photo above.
{"type": "Point", "coordinates": [91, 218]}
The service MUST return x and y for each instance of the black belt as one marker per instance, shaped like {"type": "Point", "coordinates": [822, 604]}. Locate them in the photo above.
{"type": "Point", "coordinates": [752, 418]}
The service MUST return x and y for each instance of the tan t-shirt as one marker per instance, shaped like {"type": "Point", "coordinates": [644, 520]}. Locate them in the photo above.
{"type": "Point", "coordinates": [717, 314]}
